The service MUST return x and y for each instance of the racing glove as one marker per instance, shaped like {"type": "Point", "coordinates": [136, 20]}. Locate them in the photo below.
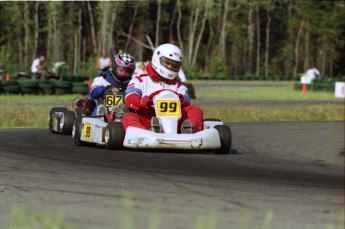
{"type": "Point", "coordinates": [136, 102]}
{"type": "Point", "coordinates": [145, 101]}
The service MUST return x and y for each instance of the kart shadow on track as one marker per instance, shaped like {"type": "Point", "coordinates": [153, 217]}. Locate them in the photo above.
{"type": "Point", "coordinates": [232, 151]}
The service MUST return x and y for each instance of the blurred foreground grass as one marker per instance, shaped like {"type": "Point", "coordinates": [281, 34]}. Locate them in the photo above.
{"type": "Point", "coordinates": [21, 218]}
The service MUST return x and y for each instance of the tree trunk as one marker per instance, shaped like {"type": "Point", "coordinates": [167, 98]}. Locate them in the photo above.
{"type": "Point", "coordinates": [267, 46]}
{"type": "Point", "coordinates": [54, 51]}
{"type": "Point", "coordinates": [104, 26]}
{"type": "Point", "coordinates": [111, 44]}
{"type": "Point", "coordinates": [159, 2]}
{"type": "Point", "coordinates": [36, 30]}
{"type": "Point", "coordinates": [78, 40]}
{"type": "Point", "coordinates": [250, 39]}
{"type": "Point", "coordinates": [258, 40]}
{"type": "Point", "coordinates": [93, 37]}
{"type": "Point", "coordinates": [172, 21]}
{"type": "Point", "coordinates": [75, 62]}
{"type": "Point", "coordinates": [179, 24]}
{"type": "Point", "coordinates": [200, 34]}
{"type": "Point", "coordinates": [192, 30]}
{"type": "Point", "coordinates": [209, 49]}
{"type": "Point", "coordinates": [323, 52]}
{"type": "Point", "coordinates": [131, 26]}
{"type": "Point", "coordinates": [307, 63]}
{"type": "Point", "coordinates": [27, 35]}
{"type": "Point", "coordinates": [223, 31]}
{"type": "Point", "coordinates": [297, 46]}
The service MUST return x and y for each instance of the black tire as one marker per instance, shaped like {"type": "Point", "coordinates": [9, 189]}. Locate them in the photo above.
{"type": "Point", "coordinates": [115, 135]}
{"type": "Point", "coordinates": [77, 130]}
{"type": "Point", "coordinates": [68, 122]}
{"type": "Point", "coordinates": [50, 118]}
{"type": "Point", "coordinates": [225, 139]}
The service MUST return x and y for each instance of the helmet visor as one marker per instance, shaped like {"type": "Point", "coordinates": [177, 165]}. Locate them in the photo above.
{"type": "Point", "coordinates": [170, 64]}
{"type": "Point", "coordinates": [124, 72]}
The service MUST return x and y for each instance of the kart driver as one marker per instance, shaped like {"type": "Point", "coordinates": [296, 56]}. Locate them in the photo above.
{"type": "Point", "coordinates": [161, 74]}
{"type": "Point", "coordinates": [119, 75]}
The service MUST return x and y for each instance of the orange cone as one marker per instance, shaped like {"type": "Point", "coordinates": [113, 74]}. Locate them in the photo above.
{"type": "Point", "coordinates": [8, 77]}
{"type": "Point", "coordinates": [304, 88]}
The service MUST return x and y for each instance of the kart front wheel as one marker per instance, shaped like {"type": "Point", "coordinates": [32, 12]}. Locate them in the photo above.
{"type": "Point", "coordinates": [114, 136]}
{"type": "Point", "coordinates": [77, 131]}
{"type": "Point", "coordinates": [225, 139]}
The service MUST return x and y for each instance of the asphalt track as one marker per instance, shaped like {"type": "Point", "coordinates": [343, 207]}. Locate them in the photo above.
{"type": "Point", "coordinates": [290, 171]}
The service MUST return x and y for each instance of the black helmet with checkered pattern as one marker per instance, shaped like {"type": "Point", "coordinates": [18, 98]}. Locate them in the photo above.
{"type": "Point", "coordinates": [123, 61]}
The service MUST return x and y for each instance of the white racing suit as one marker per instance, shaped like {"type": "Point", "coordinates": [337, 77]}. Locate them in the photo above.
{"type": "Point", "coordinates": [145, 85]}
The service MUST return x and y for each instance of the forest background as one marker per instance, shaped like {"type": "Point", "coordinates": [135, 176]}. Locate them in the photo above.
{"type": "Point", "coordinates": [219, 38]}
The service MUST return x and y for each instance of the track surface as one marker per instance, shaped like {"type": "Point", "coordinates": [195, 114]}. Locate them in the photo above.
{"type": "Point", "coordinates": [293, 169]}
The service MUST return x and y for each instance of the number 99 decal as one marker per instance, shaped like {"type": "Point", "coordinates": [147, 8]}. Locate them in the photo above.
{"type": "Point", "coordinates": [168, 108]}
{"type": "Point", "coordinates": [111, 100]}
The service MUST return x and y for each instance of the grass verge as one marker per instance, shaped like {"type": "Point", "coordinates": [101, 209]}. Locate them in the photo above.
{"type": "Point", "coordinates": [32, 110]}
{"type": "Point", "coordinates": [266, 93]}
{"type": "Point", "coordinates": [37, 115]}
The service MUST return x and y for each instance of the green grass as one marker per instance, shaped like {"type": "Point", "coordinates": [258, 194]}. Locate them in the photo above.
{"type": "Point", "coordinates": [236, 113]}
{"type": "Point", "coordinates": [26, 98]}
{"type": "Point", "coordinates": [266, 93]}
{"type": "Point", "coordinates": [32, 110]}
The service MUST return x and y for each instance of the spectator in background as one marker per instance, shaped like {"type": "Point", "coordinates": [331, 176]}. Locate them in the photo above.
{"type": "Point", "coordinates": [38, 68]}
{"type": "Point", "coordinates": [103, 63]}
{"type": "Point", "coordinates": [311, 75]}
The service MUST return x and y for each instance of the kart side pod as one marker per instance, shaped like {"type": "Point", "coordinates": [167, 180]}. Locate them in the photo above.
{"type": "Point", "coordinates": [140, 138]}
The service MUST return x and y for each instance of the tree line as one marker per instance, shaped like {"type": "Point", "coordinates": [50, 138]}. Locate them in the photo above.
{"type": "Point", "coordinates": [219, 38]}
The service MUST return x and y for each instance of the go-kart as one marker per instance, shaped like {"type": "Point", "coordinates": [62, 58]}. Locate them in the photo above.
{"type": "Point", "coordinates": [214, 136]}
{"type": "Point", "coordinates": [92, 130]}
{"type": "Point", "coordinates": [107, 129]}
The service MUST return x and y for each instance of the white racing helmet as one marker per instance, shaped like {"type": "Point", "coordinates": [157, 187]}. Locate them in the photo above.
{"type": "Point", "coordinates": [167, 61]}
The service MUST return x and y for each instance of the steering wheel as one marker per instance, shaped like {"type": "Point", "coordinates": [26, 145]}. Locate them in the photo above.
{"type": "Point", "coordinates": [111, 89]}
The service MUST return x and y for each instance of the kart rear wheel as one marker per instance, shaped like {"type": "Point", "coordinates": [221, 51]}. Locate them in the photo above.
{"type": "Point", "coordinates": [114, 136]}
{"type": "Point", "coordinates": [225, 139]}
{"type": "Point", "coordinates": [77, 130]}
{"type": "Point", "coordinates": [66, 122]}
{"type": "Point", "coordinates": [50, 117]}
